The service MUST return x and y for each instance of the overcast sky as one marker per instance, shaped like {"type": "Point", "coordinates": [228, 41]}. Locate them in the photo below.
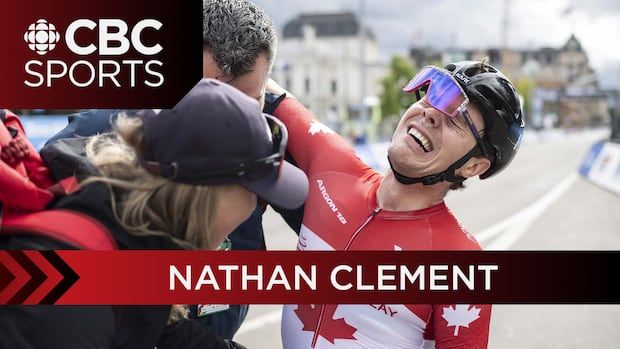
{"type": "Point", "coordinates": [399, 24]}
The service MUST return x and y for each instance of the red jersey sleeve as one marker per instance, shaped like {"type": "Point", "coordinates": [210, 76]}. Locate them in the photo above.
{"type": "Point", "coordinates": [314, 146]}
{"type": "Point", "coordinates": [461, 325]}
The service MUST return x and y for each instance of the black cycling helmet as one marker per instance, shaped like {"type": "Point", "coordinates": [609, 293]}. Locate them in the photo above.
{"type": "Point", "coordinates": [500, 106]}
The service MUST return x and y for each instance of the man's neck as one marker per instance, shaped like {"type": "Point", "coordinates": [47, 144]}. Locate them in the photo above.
{"type": "Point", "coordinates": [394, 196]}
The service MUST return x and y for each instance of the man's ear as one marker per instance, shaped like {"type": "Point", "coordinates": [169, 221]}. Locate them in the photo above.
{"type": "Point", "coordinates": [474, 167]}
{"type": "Point", "coordinates": [209, 66]}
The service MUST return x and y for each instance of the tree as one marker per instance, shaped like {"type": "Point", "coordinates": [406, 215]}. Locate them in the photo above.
{"type": "Point", "coordinates": [525, 87]}
{"type": "Point", "coordinates": [393, 100]}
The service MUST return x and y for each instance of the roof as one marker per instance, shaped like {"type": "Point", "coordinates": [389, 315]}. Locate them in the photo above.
{"type": "Point", "coordinates": [326, 25]}
{"type": "Point", "coordinates": [572, 44]}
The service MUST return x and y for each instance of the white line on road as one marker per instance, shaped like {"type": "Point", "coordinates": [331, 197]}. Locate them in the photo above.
{"type": "Point", "coordinates": [513, 227]}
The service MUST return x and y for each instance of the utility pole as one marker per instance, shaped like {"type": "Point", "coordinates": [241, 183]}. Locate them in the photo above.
{"type": "Point", "coordinates": [505, 25]}
{"type": "Point", "coordinates": [364, 117]}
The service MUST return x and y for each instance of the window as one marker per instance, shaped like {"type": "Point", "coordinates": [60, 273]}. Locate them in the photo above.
{"type": "Point", "coordinates": [334, 87]}
{"type": "Point", "coordinates": [307, 86]}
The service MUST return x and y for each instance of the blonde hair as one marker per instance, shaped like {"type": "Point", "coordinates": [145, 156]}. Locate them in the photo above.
{"type": "Point", "coordinates": [145, 204]}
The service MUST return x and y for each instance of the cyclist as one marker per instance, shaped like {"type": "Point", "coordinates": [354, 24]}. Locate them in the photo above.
{"type": "Point", "coordinates": [467, 122]}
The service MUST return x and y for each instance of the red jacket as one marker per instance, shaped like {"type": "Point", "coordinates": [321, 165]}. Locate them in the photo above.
{"type": "Point", "coordinates": [24, 178]}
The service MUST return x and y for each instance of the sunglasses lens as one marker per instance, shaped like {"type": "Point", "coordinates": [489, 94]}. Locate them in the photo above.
{"type": "Point", "coordinates": [276, 133]}
{"type": "Point", "coordinates": [420, 79]}
{"type": "Point", "coordinates": [445, 95]}
{"type": "Point", "coordinates": [279, 137]}
{"type": "Point", "coordinates": [442, 91]}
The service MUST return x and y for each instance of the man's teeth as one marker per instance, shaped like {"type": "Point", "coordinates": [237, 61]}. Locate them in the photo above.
{"type": "Point", "coordinates": [425, 143]}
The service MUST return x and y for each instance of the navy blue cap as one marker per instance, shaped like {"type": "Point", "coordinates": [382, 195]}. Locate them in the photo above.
{"type": "Point", "coordinates": [211, 136]}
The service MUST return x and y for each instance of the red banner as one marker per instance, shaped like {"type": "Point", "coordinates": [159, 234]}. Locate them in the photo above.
{"type": "Point", "coordinates": [193, 277]}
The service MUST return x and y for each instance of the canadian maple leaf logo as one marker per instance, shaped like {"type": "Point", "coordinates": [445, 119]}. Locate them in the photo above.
{"type": "Point", "coordinates": [460, 316]}
{"type": "Point", "coordinates": [309, 316]}
{"type": "Point", "coordinates": [331, 329]}
{"type": "Point", "coordinates": [316, 127]}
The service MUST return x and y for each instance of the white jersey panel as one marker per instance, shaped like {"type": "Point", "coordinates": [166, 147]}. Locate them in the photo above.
{"type": "Point", "coordinates": [308, 240]}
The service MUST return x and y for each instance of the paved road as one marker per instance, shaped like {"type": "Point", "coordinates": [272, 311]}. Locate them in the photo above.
{"type": "Point", "coordinates": [538, 204]}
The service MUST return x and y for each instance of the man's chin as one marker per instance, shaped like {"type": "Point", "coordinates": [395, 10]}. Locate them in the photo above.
{"type": "Point", "coordinates": [410, 169]}
{"type": "Point", "coordinates": [398, 165]}
{"type": "Point", "coordinates": [393, 151]}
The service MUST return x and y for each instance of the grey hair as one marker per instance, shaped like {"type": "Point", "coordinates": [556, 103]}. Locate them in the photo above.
{"type": "Point", "coordinates": [236, 32]}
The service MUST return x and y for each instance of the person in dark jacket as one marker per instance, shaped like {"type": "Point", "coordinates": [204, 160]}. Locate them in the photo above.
{"type": "Point", "coordinates": [141, 167]}
{"type": "Point", "coordinates": [239, 48]}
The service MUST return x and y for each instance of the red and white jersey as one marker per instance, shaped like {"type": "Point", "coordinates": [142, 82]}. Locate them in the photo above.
{"type": "Point", "coordinates": [341, 213]}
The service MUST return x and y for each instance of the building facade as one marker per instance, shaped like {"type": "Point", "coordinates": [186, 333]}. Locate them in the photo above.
{"type": "Point", "coordinates": [324, 60]}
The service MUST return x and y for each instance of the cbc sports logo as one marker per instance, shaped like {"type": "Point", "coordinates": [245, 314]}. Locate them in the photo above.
{"type": "Point", "coordinates": [41, 37]}
{"type": "Point", "coordinates": [114, 39]}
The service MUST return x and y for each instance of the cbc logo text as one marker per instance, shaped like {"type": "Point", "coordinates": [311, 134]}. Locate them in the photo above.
{"type": "Point", "coordinates": [98, 63]}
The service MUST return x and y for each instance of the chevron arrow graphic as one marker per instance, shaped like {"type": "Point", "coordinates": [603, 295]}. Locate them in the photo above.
{"type": "Point", "coordinates": [5, 277]}
{"type": "Point", "coordinates": [14, 279]}
{"type": "Point", "coordinates": [22, 277]}
{"type": "Point", "coordinates": [37, 277]}
{"type": "Point", "coordinates": [70, 277]}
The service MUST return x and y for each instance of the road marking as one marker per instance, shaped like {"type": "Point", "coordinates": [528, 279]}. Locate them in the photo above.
{"type": "Point", "coordinates": [271, 317]}
{"type": "Point", "coordinates": [512, 228]}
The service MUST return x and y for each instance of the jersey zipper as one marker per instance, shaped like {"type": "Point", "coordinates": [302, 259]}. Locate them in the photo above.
{"type": "Point", "coordinates": [358, 231]}
{"type": "Point", "coordinates": [347, 246]}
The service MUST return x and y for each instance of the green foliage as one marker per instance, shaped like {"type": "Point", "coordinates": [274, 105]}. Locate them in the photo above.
{"type": "Point", "coordinates": [525, 86]}
{"type": "Point", "coordinates": [393, 100]}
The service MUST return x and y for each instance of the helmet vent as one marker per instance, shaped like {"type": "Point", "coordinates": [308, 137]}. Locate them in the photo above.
{"type": "Point", "coordinates": [480, 68]}
{"type": "Point", "coordinates": [472, 71]}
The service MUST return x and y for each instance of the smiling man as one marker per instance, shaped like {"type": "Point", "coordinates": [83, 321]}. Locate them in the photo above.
{"type": "Point", "coordinates": [467, 122]}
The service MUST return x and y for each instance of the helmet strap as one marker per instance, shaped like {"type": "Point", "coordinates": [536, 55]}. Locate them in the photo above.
{"type": "Point", "coordinates": [448, 175]}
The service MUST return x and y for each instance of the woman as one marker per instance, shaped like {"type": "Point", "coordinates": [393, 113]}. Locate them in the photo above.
{"type": "Point", "coordinates": [172, 179]}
